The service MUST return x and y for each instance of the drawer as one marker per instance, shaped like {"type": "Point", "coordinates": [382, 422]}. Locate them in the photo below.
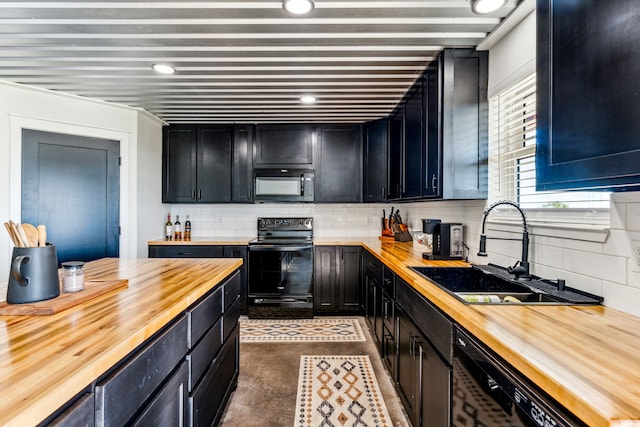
{"type": "Point", "coordinates": [201, 356]}
{"type": "Point", "coordinates": [389, 282]}
{"type": "Point", "coordinates": [121, 394]}
{"type": "Point", "coordinates": [167, 408]}
{"type": "Point", "coordinates": [206, 402]}
{"type": "Point", "coordinates": [373, 266]}
{"type": "Point", "coordinates": [231, 290]}
{"type": "Point", "coordinates": [230, 319]}
{"type": "Point", "coordinates": [204, 314]}
{"type": "Point", "coordinates": [80, 413]}
{"type": "Point", "coordinates": [186, 251]}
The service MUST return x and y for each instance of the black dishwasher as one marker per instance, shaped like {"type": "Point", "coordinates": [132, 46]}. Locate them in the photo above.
{"type": "Point", "coordinates": [488, 392]}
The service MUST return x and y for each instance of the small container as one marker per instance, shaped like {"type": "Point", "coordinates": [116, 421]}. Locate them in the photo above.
{"type": "Point", "coordinates": [72, 276]}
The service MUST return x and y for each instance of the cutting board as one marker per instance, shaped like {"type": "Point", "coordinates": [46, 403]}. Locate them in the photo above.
{"type": "Point", "coordinates": [92, 289]}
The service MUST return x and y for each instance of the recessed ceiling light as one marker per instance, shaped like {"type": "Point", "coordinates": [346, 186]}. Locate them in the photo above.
{"type": "Point", "coordinates": [163, 68]}
{"type": "Point", "coordinates": [298, 7]}
{"type": "Point", "coordinates": [308, 99]}
{"type": "Point", "coordinates": [482, 7]}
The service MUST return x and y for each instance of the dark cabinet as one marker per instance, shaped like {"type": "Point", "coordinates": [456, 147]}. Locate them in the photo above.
{"type": "Point", "coordinates": [197, 164]}
{"type": "Point", "coordinates": [242, 168]}
{"type": "Point", "coordinates": [374, 183]}
{"type": "Point", "coordinates": [373, 276]}
{"type": "Point", "coordinates": [413, 146]}
{"type": "Point", "coordinates": [167, 408]}
{"type": "Point", "coordinates": [283, 145]}
{"type": "Point", "coordinates": [396, 150]}
{"type": "Point", "coordinates": [463, 124]}
{"type": "Point", "coordinates": [424, 380]}
{"type": "Point", "coordinates": [337, 287]}
{"type": "Point", "coordinates": [338, 167]}
{"type": "Point", "coordinates": [207, 164]}
{"type": "Point", "coordinates": [79, 413]}
{"type": "Point", "coordinates": [587, 95]}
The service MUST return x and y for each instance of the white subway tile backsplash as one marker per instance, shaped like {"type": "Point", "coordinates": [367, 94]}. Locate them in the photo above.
{"type": "Point", "coordinates": [633, 217]}
{"type": "Point", "coordinates": [601, 266]}
{"type": "Point", "coordinates": [621, 297]}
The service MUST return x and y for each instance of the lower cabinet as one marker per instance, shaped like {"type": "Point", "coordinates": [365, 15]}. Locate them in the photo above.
{"type": "Point", "coordinates": [337, 286]}
{"type": "Point", "coordinates": [183, 375]}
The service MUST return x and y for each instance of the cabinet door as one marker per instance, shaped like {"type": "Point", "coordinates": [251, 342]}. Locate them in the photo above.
{"type": "Point", "coordinates": [242, 168]}
{"type": "Point", "coordinates": [432, 161]}
{"type": "Point", "coordinates": [407, 368]}
{"type": "Point", "coordinates": [375, 161]}
{"type": "Point", "coordinates": [464, 123]}
{"type": "Point", "coordinates": [338, 170]}
{"type": "Point", "coordinates": [435, 387]}
{"type": "Point", "coordinates": [349, 286]}
{"type": "Point", "coordinates": [168, 406]}
{"type": "Point", "coordinates": [240, 252]}
{"type": "Point", "coordinates": [396, 138]}
{"type": "Point", "coordinates": [179, 151]}
{"type": "Point", "coordinates": [325, 278]}
{"type": "Point", "coordinates": [283, 145]}
{"type": "Point", "coordinates": [413, 144]}
{"type": "Point", "coordinates": [214, 164]}
{"type": "Point", "coordinates": [587, 98]}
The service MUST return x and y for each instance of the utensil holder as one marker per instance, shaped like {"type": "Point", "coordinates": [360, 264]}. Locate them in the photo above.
{"type": "Point", "coordinates": [34, 275]}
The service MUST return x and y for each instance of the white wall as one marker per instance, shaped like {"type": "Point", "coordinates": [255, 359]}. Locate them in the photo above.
{"type": "Point", "coordinates": [138, 133]}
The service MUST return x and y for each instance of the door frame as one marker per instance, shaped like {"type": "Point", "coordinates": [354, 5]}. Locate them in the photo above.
{"type": "Point", "coordinates": [127, 245]}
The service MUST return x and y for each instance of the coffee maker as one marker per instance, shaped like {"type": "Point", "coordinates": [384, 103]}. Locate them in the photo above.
{"type": "Point", "coordinates": [445, 238]}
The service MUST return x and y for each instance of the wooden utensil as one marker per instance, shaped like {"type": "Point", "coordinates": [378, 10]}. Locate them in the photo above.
{"type": "Point", "coordinates": [16, 234]}
{"type": "Point", "coordinates": [11, 235]}
{"type": "Point", "coordinates": [32, 234]}
{"type": "Point", "coordinates": [42, 235]}
{"type": "Point", "coordinates": [23, 236]}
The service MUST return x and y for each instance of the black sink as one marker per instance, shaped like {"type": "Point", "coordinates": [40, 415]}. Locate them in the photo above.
{"type": "Point", "coordinates": [494, 285]}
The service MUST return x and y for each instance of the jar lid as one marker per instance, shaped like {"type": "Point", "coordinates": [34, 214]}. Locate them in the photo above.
{"type": "Point", "coordinates": [73, 264]}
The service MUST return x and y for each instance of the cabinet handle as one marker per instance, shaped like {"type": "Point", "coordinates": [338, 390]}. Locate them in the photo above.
{"type": "Point", "coordinates": [434, 183]}
{"type": "Point", "coordinates": [193, 194]}
{"type": "Point", "coordinates": [200, 194]}
{"type": "Point", "coordinates": [186, 253]}
{"type": "Point", "coordinates": [382, 193]}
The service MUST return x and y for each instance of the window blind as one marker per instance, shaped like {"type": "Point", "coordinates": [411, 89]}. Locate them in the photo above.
{"type": "Point", "coordinates": [512, 148]}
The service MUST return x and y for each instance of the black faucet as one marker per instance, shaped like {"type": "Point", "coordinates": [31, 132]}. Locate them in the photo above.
{"type": "Point", "coordinates": [523, 268]}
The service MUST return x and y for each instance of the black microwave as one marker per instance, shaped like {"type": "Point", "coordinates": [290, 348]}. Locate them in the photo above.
{"type": "Point", "coordinates": [283, 185]}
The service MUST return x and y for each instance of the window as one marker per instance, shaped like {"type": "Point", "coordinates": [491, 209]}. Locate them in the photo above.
{"type": "Point", "coordinates": [512, 149]}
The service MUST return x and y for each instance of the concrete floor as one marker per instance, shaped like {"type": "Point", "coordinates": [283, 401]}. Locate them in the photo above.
{"type": "Point", "coordinates": [267, 385]}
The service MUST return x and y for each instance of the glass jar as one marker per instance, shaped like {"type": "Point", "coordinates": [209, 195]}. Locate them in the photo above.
{"type": "Point", "coordinates": [72, 276]}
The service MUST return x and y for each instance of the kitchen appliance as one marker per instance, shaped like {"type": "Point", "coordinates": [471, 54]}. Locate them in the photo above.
{"type": "Point", "coordinates": [446, 240]}
{"type": "Point", "coordinates": [487, 391]}
{"type": "Point", "coordinates": [283, 185]}
{"type": "Point", "coordinates": [34, 275]}
{"type": "Point", "coordinates": [281, 269]}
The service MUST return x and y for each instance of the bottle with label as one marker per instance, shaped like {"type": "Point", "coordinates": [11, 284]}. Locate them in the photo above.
{"type": "Point", "coordinates": [187, 229]}
{"type": "Point", "coordinates": [177, 229]}
{"type": "Point", "coordinates": [168, 228]}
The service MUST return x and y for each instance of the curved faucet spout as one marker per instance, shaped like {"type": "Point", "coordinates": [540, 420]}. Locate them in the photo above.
{"type": "Point", "coordinates": [517, 270]}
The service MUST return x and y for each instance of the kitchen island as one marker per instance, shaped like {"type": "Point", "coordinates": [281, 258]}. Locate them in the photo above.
{"type": "Point", "coordinates": [47, 360]}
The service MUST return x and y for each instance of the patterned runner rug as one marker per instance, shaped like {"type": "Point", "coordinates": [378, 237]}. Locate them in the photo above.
{"type": "Point", "coordinates": [339, 391]}
{"type": "Point", "coordinates": [300, 330]}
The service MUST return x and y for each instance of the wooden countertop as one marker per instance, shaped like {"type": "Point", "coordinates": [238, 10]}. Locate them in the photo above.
{"type": "Point", "coordinates": [201, 241]}
{"type": "Point", "coordinates": [587, 358]}
{"type": "Point", "coordinates": [46, 360]}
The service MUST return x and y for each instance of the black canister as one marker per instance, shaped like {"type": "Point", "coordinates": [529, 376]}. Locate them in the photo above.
{"type": "Point", "coordinates": [34, 275]}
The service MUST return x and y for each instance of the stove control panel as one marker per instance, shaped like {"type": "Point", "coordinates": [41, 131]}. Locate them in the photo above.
{"type": "Point", "coordinates": [285, 224]}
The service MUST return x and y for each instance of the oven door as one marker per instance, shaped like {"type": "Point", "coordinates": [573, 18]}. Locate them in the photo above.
{"type": "Point", "coordinates": [278, 271]}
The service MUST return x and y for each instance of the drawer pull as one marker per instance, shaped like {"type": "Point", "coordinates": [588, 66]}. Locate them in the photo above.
{"type": "Point", "coordinates": [186, 253]}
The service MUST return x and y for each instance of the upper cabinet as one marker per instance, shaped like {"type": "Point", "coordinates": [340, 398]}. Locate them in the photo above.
{"type": "Point", "coordinates": [374, 183]}
{"type": "Point", "coordinates": [587, 95]}
{"type": "Point", "coordinates": [438, 135]}
{"type": "Point", "coordinates": [339, 166]}
{"type": "Point", "coordinates": [283, 146]}
{"type": "Point", "coordinates": [464, 124]}
{"type": "Point", "coordinates": [206, 164]}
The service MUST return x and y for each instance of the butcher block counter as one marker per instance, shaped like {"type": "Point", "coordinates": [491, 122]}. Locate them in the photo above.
{"type": "Point", "coordinates": [587, 358]}
{"type": "Point", "coordinates": [47, 360]}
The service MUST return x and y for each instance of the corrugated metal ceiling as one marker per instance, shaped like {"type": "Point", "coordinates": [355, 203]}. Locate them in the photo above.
{"type": "Point", "coordinates": [237, 61]}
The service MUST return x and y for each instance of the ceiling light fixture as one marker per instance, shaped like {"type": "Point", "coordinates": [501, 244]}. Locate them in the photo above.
{"type": "Point", "coordinates": [163, 69]}
{"type": "Point", "coordinates": [308, 99]}
{"type": "Point", "coordinates": [482, 7]}
{"type": "Point", "coordinates": [298, 7]}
